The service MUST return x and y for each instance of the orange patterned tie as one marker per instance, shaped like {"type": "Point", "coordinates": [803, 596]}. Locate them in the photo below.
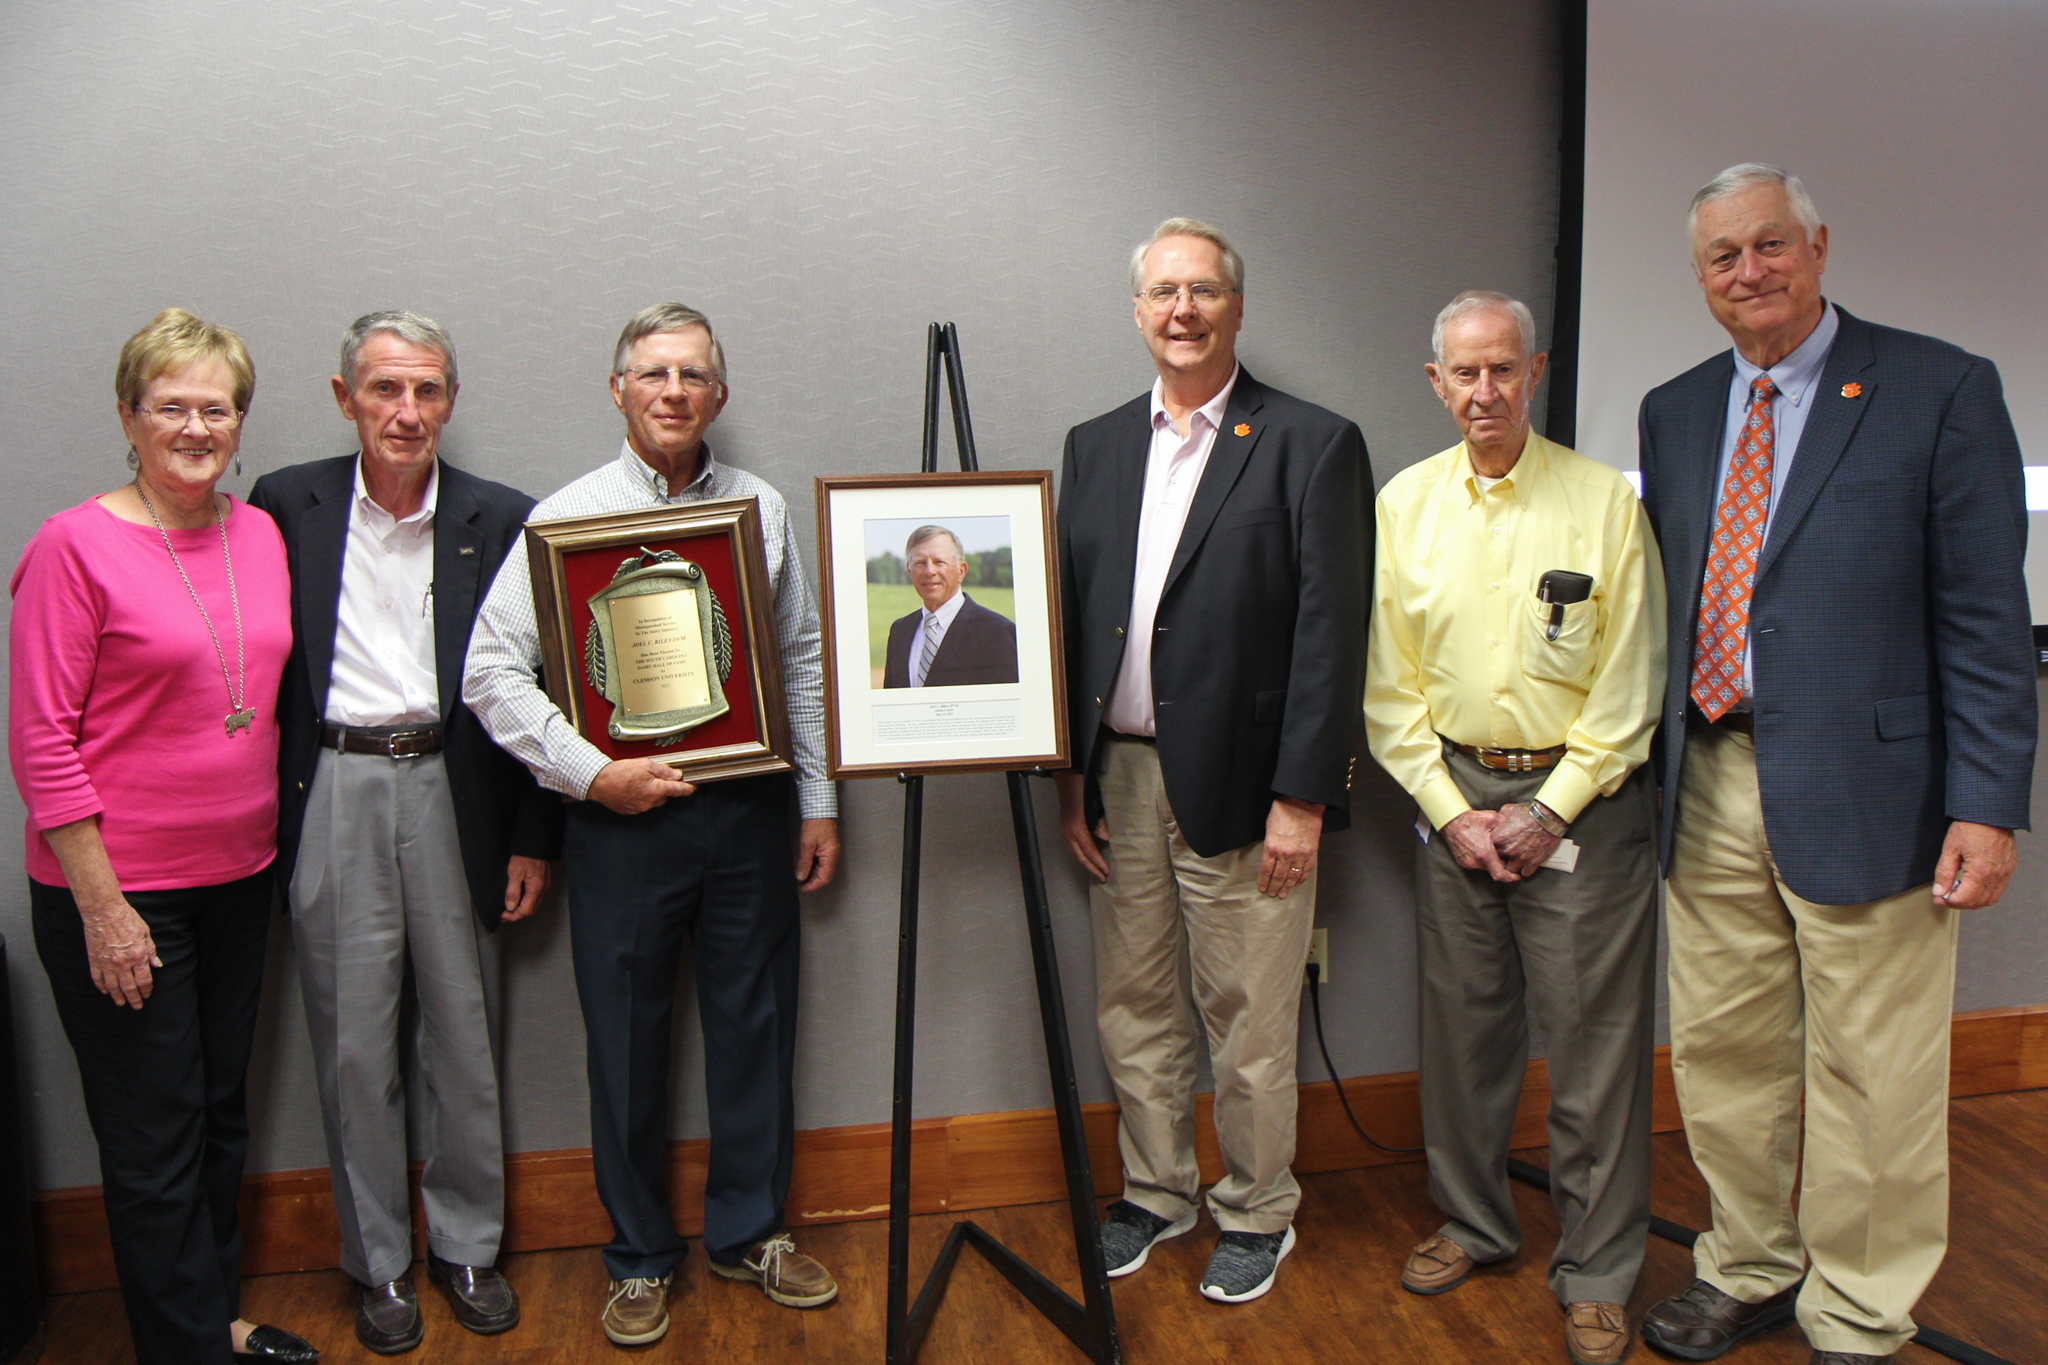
{"type": "Point", "coordinates": [1731, 560]}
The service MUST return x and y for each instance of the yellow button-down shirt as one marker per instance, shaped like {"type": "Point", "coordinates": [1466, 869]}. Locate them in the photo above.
{"type": "Point", "coordinates": [1458, 643]}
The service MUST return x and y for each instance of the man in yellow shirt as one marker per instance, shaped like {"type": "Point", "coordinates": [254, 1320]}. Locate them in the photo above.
{"type": "Point", "coordinates": [1513, 679]}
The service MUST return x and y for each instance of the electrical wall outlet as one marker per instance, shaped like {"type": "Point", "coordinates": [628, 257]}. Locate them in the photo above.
{"type": "Point", "coordinates": [1318, 955]}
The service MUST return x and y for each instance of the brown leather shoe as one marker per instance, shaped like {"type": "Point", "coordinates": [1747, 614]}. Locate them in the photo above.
{"type": "Point", "coordinates": [636, 1311]}
{"type": "Point", "coordinates": [1703, 1322]}
{"type": "Point", "coordinates": [1595, 1333]}
{"type": "Point", "coordinates": [388, 1317]}
{"type": "Point", "coordinates": [481, 1298]}
{"type": "Point", "coordinates": [1436, 1267]}
{"type": "Point", "coordinates": [1846, 1358]}
{"type": "Point", "coordinates": [785, 1274]}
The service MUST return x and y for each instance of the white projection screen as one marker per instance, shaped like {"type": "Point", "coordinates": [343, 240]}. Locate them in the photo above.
{"type": "Point", "coordinates": [1921, 128]}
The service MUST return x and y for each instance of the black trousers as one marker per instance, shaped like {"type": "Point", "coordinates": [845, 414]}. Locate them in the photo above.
{"type": "Point", "coordinates": [715, 869]}
{"type": "Point", "coordinates": [164, 1092]}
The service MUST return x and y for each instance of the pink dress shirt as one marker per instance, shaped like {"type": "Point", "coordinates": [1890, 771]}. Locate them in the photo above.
{"type": "Point", "coordinates": [116, 703]}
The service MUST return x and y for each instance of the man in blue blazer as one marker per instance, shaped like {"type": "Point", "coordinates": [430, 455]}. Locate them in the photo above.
{"type": "Point", "coordinates": [404, 834]}
{"type": "Point", "coordinates": [1847, 746]}
{"type": "Point", "coordinates": [952, 640]}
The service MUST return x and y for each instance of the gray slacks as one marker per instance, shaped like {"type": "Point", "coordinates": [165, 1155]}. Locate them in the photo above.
{"type": "Point", "coordinates": [379, 886]}
{"type": "Point", "coordinates": [1578, 950]}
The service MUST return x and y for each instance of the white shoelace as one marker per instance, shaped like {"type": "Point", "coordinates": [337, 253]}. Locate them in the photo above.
{"type": "Point", "coordinates": [632, 1289]}
{"type": "Point", "coordinates": [772, 1252]}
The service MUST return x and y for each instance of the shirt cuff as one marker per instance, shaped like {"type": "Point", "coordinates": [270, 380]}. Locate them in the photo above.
{"type": "Point", "coordinates": [817, 799]}
{"type": "Point", "coordinates": [581, 768]}
{"type": "Point", "coordinates": [1441, 801]}
{"type": "Point", "coordinates": [1568, 792]}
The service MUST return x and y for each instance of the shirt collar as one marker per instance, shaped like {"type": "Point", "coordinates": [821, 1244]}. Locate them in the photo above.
{"type": "Point", "coordinates": [1533, 460]}
{"type": "Point", "coordinates": [948, 609]}
{"type": "Point", "coordinates": [427, 505]}
{"type": "Point", "coordinates": [645, 476]}
{"type": "Point", "coordinates": [1798, 372]}
{"type": "Point", "coordinates": [1211, 411]}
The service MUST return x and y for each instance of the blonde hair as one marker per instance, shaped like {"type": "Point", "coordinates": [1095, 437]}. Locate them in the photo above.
{"type": "Point", "coordinates": [175, 338]}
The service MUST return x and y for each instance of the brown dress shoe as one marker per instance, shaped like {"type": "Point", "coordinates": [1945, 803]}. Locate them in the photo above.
{"type": "Point", "coordinates": [1437, 1266]}
{"type": "Point", "coordinates": [1703, 1322]}
{"type": "Point", "coordinates": [481, 1298]}
{"type": "Point", "coordinates": [785, 1274]}
{"type": "Point", "coordinates": [388, 1317]}
{"type": "Point", "coordinates": [1595, 1333]}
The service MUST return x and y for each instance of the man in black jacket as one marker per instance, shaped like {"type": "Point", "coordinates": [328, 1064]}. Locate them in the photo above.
{"type": "Point", "coordinates": [403, 832]}
{"type": "Point", "coordinates": [952, 640]}
{"type": "Point", "coordinates": [1220, 529]}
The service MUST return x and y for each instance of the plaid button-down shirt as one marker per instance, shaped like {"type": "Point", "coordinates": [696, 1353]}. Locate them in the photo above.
{"type": "Point", "coordinates": [500, 680]}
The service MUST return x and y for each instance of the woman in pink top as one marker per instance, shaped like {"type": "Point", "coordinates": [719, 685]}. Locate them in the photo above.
{"type": "Point", "coordinates": [149, 633]}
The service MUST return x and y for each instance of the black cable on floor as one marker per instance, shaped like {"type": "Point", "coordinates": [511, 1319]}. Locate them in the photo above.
{"type": "Point", "coordinates": [1315, 1003]}
{"type": "Point", "coordinates": [1671, 1232]}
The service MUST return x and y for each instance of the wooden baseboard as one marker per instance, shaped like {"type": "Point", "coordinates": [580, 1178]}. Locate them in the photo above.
{"type": "Point", "coordinates": [971, 1161]}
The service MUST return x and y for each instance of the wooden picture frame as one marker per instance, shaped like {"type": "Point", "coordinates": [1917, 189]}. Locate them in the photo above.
{"type": "Point", "coordinates": [972, 711]}
{"type": "Point", "coordinates": [577, 561]}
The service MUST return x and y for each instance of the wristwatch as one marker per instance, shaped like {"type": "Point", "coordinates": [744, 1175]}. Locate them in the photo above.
{"type": "Point", "coordinates": [1553, 824]}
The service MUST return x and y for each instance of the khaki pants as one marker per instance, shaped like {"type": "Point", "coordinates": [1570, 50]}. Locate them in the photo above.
{"type": "Point", "coordinates": [1175, 933]}
{"type": "Point", "coordinates": [1773, 996]}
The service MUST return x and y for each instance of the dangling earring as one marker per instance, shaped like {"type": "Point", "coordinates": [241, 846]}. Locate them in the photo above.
{"type": "Point", "coordinates": [134, 460]}
{"type": "Point", "coordinates": [238, 466]}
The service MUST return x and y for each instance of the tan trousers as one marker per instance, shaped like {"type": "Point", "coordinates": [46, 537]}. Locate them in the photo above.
{"type": "Point", "coordinates": [1772, 996]}
{"type": "Point", "coordinates": [1176, 933]}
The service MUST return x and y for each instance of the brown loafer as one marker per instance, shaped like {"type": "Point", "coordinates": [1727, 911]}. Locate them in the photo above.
{"type": "Point", "coordinates": [1595, 1333]}
{"type": "Point", "coordinates": [481, 1298]}
{"type": "Point", "coordinates": [1703, 1322]}
{"type": "Point", "coordinates": [388, 1317]}
{"type": "Point", "coordinates": [1438, 1266]}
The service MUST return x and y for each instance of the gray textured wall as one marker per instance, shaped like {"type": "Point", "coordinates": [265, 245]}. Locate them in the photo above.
{"type": "Point", "coordinates": [823, 178]}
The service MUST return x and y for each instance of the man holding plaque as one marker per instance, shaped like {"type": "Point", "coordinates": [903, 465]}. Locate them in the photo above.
{"type": "Point", "coordinates": [405, 837]}
{"type": "Point", "coordinates": [1220, 526]}
{"type": "Point", "coordinates": [654, 862]}
{"type": "Point", "coordinates": [1512, 682]}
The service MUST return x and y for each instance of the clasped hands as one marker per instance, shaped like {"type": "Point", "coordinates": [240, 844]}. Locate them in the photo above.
{"type": "Point", "coordinates": [1507, 844]}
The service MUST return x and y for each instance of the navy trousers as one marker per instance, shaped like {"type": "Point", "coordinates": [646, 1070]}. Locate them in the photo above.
{"type": "Point", "coordinates": [715, 870]}
{"type": "Point", "coordinates": [164, 1092]}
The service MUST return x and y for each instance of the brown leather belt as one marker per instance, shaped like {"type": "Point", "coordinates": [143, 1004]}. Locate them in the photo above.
{"type": "Point", "coordinates": [1510, 760]}
{"type": "Point", "coordinates": [392, 741]}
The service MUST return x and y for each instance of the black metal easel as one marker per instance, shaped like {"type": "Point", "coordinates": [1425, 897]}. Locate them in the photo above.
{"type": "Point", "coordinates": [1091, 1324]}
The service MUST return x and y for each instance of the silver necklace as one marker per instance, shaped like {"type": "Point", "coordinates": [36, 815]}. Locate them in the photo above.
{"type": "Point", "coordinates": [240, 717]}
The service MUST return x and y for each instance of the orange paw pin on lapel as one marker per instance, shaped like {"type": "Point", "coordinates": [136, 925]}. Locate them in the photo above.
{"type": "Point", "coordinates": [1852, 390]}
{"type": "Point", "coordinates": [1243, 428]}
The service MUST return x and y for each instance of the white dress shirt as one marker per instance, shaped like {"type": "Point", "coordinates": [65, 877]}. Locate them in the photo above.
{"type": "Point", "coordinates": [948, 609]}
{"type": "Point", "coordinates": [384, 628]}
{"type": "Point", "coordinates": [1173, 471]}
{"type": "Point", "coordinates": [500, 684]}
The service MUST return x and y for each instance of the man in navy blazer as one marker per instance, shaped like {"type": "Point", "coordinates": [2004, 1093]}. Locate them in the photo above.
{"type": "Point", "coordinates": [967, 642]}
{"type": "Point", "coordinates": [1847, 746]}
{"type": "Point", "coordinates": [1214, 540]}
{"type": "Point", "coordinates": [404, 833]}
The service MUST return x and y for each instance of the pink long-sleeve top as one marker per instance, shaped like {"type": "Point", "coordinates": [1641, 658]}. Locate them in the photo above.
{"type": "Point", "coordinates": [116, 706]}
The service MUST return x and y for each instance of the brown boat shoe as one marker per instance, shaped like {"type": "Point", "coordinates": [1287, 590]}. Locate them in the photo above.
{"type": "Point", "coordinates": [1438, 1266]}
{"type": "Point", "coordinates": [1595, 1333]}
{"type": "Point", "coordinates": [785, 1274]}
{"type": "Point", "coordinates": [636, 1311]}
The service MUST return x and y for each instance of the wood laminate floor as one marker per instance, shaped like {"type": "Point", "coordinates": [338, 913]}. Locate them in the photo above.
{"type": "Point", "coordinates": [1337, 1299]}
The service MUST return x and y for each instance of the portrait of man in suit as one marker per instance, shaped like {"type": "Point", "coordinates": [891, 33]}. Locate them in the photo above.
{"type": "Point", "coordinates": [952, 640]}
{"type": "Point", "coordinates": [1847, 747]}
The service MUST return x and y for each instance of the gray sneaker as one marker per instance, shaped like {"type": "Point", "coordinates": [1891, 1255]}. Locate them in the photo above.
{"type": "Point", "coordinates": [1244, 1263]}
{"type": "Point", "coordinates": [1129, 1233]}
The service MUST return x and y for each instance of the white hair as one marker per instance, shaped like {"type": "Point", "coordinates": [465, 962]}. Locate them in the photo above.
{"type": "Point", "coordinates": [1484, 301]}
{"type": "Point", "coordinates": [1233, 264]}
{"type": "Point", "coordinates": [407, 326]}
{"type": "Point", "coordinates": [1747, 175]}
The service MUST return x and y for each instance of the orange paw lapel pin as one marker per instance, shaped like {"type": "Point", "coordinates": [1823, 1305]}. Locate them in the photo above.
{"type": "Point", "coordinates": [1243, 428]}
{"type": "Point", "coordinates": [1852, 390]}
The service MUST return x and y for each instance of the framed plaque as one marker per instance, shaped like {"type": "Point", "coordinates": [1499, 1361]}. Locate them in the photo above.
{"type": "Point", "coordinates": [984, 691]}
{"type": "Point", "coordinates": [657, 633]}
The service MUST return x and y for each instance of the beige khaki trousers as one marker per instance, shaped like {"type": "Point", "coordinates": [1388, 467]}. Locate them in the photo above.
{"type": "Point", "coordinates": [1773, 997]}
{"type": "Point", "coordinates": [1177, 934]}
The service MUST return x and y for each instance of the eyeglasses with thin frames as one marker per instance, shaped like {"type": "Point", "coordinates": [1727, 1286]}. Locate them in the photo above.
{"type": "Point", "coordinates": [1207, 294]}
{"type": "Point", "coordinates": [173, 417]}
{"type": "Point", "coordinates": [654, 378]}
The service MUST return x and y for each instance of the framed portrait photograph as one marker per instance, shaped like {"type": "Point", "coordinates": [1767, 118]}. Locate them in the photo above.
{"type": "Point", "coordinates": [657, 633]}
{"type": "Point", "coordinates": [942, 623]}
